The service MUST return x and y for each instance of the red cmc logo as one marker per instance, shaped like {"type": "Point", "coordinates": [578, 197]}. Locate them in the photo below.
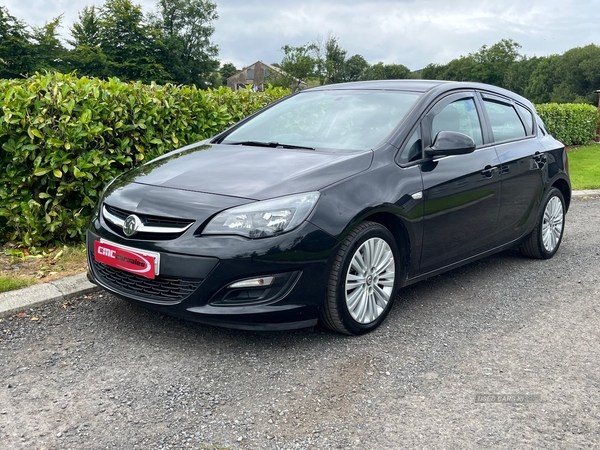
{"type": "Point", "coordinates": [124, 259]}
{"type": "Point", "coordinates": [106, 252]}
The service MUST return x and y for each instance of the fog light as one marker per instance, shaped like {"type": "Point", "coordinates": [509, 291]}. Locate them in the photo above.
{"type": "Point", "coordinates": [253, 282]}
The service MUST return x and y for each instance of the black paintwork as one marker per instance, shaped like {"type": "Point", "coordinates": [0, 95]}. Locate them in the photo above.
{"type": "Point", "coordinates": [472, 205]}
{"type": "Point", "coordinates": [450, 143]}
{"type": "Point", "coordinates": [247, 172]}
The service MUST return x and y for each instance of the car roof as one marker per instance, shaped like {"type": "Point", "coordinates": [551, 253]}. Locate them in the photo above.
{"type": "Point", "coordinates": [400, 85]}
{"type": "Point", "coordinates": [422, 86]}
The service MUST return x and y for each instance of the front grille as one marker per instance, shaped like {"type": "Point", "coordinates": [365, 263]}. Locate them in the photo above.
{"type": "Point", "coordinates": [165, 224]}
{"type": "Point", "coordinates": [163, 290]}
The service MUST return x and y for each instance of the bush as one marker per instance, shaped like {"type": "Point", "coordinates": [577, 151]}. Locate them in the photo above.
{"type": "Point", "coordinates": [570, 123]}
{"type": "Point", "coordinates": [63, 138]}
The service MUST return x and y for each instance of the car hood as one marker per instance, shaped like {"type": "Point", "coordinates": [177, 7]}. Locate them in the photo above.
{"type": "Point", "coordinates": [254, 173]}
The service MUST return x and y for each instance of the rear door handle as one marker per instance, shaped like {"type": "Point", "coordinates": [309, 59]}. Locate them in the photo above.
{"type": "Point", "coordinates": [540, 158]}
{"type": "Point", "coordinates": [488, 171]}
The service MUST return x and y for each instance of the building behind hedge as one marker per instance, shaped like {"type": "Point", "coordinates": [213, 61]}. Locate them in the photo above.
{"type": "Point", "coordinates": [257, 77]}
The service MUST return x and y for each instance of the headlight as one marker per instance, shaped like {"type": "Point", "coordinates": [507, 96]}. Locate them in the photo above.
{"type": "Point", "coordinates": [265, 218]}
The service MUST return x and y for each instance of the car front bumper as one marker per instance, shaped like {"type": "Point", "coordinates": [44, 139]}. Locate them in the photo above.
{"type": "Point", "coordinates": [196, 272]}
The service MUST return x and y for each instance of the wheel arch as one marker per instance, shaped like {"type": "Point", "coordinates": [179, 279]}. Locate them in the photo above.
{"type": "Point", "coordinates": [336, 312]}
{"type": "Point", "coordinates": [563, 186]}
{"type": "Point", "coordinates": [399, 231]}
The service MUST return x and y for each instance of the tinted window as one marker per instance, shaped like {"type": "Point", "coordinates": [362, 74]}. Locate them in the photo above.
{"type": "Point", "coordinates": [505, 121]}
{"type": "Point", "coordinates": [412, 149]}
{"type": "Point", "coordinates": [528, 118]}
{"type": "Point", "coordinates": [460, 116]}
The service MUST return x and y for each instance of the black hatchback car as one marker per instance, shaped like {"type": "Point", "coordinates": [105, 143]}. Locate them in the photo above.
{"type": "Point", "coordinates": [322, 205]}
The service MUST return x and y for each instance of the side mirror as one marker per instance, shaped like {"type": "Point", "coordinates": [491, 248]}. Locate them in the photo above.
{"type": "Point", "coordinates": [447, 143]}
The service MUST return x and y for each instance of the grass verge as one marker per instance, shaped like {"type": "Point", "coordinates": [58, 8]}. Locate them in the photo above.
{"type": "Point", "coordinates": [584, 164]}
{"type": "Point", "coordinates": [9, 283]}
{"type": "Point", "coordinates": [19, 269]}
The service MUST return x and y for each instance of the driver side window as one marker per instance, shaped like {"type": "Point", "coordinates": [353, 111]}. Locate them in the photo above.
{"type": "Point", "coordinates": [460, 116]}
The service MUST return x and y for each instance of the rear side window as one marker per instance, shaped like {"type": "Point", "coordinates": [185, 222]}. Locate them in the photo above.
{"type": "Point", "coordinates": [526, 114]}
{"type": "Point", "coordinates": [505, 121]}
{"type": "Point", "coordinates": [541, 125]}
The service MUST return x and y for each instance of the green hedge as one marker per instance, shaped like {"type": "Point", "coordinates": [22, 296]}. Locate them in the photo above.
{"type": "Point", "coordinates": [570, 123]}
{"type": "Point", "coordinates": [62, 138]}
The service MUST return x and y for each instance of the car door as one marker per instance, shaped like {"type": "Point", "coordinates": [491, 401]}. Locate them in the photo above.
{"type": "Point", "coordinates": [461, 192]}
{"type": "Point", "coordinates": [522, 162]}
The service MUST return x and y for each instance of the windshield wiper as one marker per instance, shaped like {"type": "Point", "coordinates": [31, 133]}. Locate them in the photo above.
{"type": "Point", "coordinates": [292, 146]}
{"type": "Point", "coordinates": [269, 144]}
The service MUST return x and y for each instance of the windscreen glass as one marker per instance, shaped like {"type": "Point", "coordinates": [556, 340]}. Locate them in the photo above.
{"type": "Point", "coordinates": [333, 119]}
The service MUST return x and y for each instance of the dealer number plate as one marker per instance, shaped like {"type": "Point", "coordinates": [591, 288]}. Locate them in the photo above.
{"type": "Point", "coordinates": [139, 262]}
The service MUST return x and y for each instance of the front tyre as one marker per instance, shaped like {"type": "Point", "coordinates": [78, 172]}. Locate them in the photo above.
{"type": "Point", "coordinates": [544, 240]}
{"type": "Point", "coordinates": [363, 280]}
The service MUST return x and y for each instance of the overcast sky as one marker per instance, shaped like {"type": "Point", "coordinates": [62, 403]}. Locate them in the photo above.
{"type": "Point", "coordinates": [410, 32]}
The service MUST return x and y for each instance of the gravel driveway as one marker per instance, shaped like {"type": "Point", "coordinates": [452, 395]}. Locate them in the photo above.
{"type": "Point", "coordinates": [502, 353]}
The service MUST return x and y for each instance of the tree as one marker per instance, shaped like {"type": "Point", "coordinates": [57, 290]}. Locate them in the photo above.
{"type": "Point", "coordinates": [89, 61]}
{"type": "Point", "coordinates": [518, 75]}
{"type": "Point", "coordinates": [433, 71]}
{"type": "Point", "coordinates": [16, 49]}
{"type": "Point", "coordinates": [578, 75]}
{"type": "Point", "coordinates": [381, 71]}
{"type": "Point", "coordinates": [298, 64]}
{"type": "Point", "coordinates": [460, 69]}
{"type": "Point", "coordinates": [186, 27]}
{"type": "Point", "coordinates": [487, 65]}
{"type": "Point", "coordinates": [87, 56]}
{"type": "Point", "coordinates": [131, 45]}
{"type": "Point", "coordinates": [571, 77]}
{"type": "Point", "coordinates": [335, 59]}
{"type": "Point", "coordinates": [590, 71]}
{"type": "Point", "coordinates": [541, 82]}
{"type": "Point", "coordinates": [226, 71]}
{"type": "Point", "coordinates": [355, 67]}
{"type": "Point", "coordinates": [397, 72]}
{"type": "Point", "coordinates": [88, 30]}
{"type": "Point", "coordinates": [491, 64]}
{"type": "Point", "coordinates": [49, 50]}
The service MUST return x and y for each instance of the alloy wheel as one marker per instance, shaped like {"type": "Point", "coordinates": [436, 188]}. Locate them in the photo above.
{"type": "Point", "coordinates": [552, 224]}
{"type": "Point", "coordinates": [370, 280]}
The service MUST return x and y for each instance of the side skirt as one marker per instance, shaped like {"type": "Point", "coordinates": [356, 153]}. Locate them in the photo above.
{"type": "Point", "coordinates": [463, 262]}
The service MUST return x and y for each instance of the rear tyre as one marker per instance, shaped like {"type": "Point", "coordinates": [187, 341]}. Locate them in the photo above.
{"type": "Point", "coordinates": [363, 280]}
{"type": "Point", "coordinates": [545, 239]}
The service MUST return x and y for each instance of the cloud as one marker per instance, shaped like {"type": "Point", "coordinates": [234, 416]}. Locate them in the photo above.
{"type": "Point", "coordinates": [410, 32]}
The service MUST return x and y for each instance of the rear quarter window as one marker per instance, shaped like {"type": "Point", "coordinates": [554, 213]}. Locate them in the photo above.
{"type": "Point", "coordinates": [528, 117]}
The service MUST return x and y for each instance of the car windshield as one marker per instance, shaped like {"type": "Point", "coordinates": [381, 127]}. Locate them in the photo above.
{"type": "Point", "coordinates": [340, 119]}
